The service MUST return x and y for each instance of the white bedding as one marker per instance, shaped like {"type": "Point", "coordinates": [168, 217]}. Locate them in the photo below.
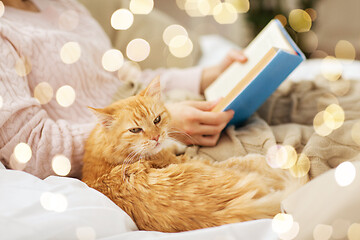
{"type": "Point", "coordinates": [88, 214]}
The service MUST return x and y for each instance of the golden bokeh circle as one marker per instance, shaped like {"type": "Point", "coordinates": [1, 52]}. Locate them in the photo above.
{"type": "Point", "coordinates": [241, 6]}
{"type": "Point", "coordinates": [353, 232]}
{"type": "Point", "coordinates": [322, 232]}
{"type": "Point", "coordinates": [69, 20]}
{"type": "Point", "coordinates": [225, 13]}
{"type": "Point", "coordinates": [345, 50]}
{"type": "Point", "coordinates": [112, 60]}
{"type": "Point", "coordinates": [345, 174]}
{"type": "Point", "coordinates": [70, 52]}
{"type": "Point", "coordinates": [122, 19]}
{"type": "Point", "coordinates": [292, 233]}
{"type": "Point", "coordinates": [23, 66]}
{"type": "Point", "coordinates": [180, 46]}
{"type": "Point", "coordinates": [299, 20]}
{"type": "Point", "coordinates": [196, 8]}
{"type": "Point", "coordinates": [138, 50]}
{"type": "Point", "coordinates": [22, 152]}
{"type": "Point", "coordinates": [355, 133]}
{"type": "Point", "coordinates": [282, 19]}
{"type": "Point", "coordinates": [331, 68]}
{"type": "Point", "coordinates": [282, 223]}
{"type": "Point", "coordinates": [85, 233]}
{"type": "Point", "coordinates": [276, 156]}
{"type": "Point", "coordinates": [65, 96]}
{"type": "Point", "coordinates": [321, 127]}
{"type": "Point", "coordinates": [301, 167]}
{"type": "Point", "coordinates": [141, 6]}
{"type": "Point", "coordinates": [61, 165]}
{"type": "Point", "coordinates": [172, 31]}
{"type": "Point", "coordinates": [43, 92]}
{"type": "Point", "coordinates": [2, 9]}
{"type": "Point", "coordinates": [337, 116]}
{"type": "Point", "coordinates": [291, 157]}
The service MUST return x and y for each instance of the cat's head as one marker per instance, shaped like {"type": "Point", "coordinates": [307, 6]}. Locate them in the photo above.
{"type": "Point", "coordinates": [136, 126]}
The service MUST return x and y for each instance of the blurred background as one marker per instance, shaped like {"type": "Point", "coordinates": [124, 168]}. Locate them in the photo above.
{"type": "Point", "coordinates": [170, 33]}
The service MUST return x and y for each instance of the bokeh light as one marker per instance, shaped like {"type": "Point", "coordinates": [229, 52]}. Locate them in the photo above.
{"type": "Point", "coordinates": [141, 6]}
{"type": "Point", "coordinates": [1, 102]}
{"type": "Point", "coordinates": [69, 20]}
{"type": "Point", "coordinates": [312, 13]}
{"type": "Point", "coordinates": [65, 96]}
{"type": "Point", "coordinates": [61, 165]}
{"type": "Point", "coordinates": [321, 127]}
{"type": "Point", "coordinates": [353, 232]}
{"type": "Point", "coordinates": [340, 87]}
{"type": "Point", "coordinates": [225, 13]}
{"type": "Point", "coordinates": [355, 133]}
{"type": "Point", "coordinates": [2, 9]}
{"type": "Point", "coordinates": [197, 8]}
{"type": "Point", "coordinates": [345, 50]}
{"type": "Point", "coordinates": [15, 164]}
{"type": "Point", "coordinates": [22, 152]}
{"type": "Point", "coordinates": [331, 68]}
{"type": "Point", "coordinates": [172, 31]}
{"type": "Point", "coordinates": [43, 92]}
{"type": "Point", "coordinates": [301, 167]}
{"type": "Point", "coordinates": [138, 50]}
{"type": "Point", "coordinates": [292, 233]}
{"type": "Point", "coordinates": [340, 228]}
{"type": "Point", "coordinates": [85, 233]}
{"type": "Point", "coordinates": [70, 52]}
{"type": "Point", "coordinates": [322, 232]}
{"type": "Point", "coordinates": [53, 202]}
{"type": "Point", "coordinates": [23, 66]}
{"type": "Point", "coordinates": [309, 41]}
{"type": "Point", "coordinates": [279, 156]}
{"type": "Point", "coordinates": [112, 60]}
{"type": "Point", "coordinates": [180, 46]}
{"type": "Point", "coordinates": [300, 20]}
{"type": "Point", "coordinates": [282, 19]}
{"type": "Point", "coordinates": [241, 6]}
{"type": "Point", "coordinates": [345, 174]}
{"type": "Point", "coordinates": [337, 116]}
{"type": "Point", "coordinates": [282, 223]}
{"type": "Point", "coordinates": [181, 4]}
{"type": "Point", "coordinates": [122, 19]}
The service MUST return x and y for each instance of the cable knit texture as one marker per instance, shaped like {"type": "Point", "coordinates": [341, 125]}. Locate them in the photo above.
{"type": "Point", "coordinates": [51, 129]}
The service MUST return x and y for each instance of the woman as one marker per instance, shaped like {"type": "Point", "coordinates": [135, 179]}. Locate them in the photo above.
{"type": "Point", "coordinates": [32, 41]}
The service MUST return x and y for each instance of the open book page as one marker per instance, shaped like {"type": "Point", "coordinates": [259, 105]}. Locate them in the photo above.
{"type": "Point", "coordinates": [271, 36]}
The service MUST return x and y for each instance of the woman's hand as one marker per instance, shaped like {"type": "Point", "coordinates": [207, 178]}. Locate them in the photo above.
{"type": "Point", "coordinates": [211, 73]}
{"type": "Point", "coordinates": [194, 123]}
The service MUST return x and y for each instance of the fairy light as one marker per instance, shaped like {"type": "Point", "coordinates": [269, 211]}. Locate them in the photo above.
{"type": "Point", "coordinates": [138, 50]}
{"type": "Point", "coordinates": [331, 68]}
{"type": "Point", "coordinates": [141, 6]}
{"type": "Point", "coordinates": [172, 31]}
{"type": "Point", "coordinates": [302, 166]}
{"type": "Point", "coordinates": [345, 50]}
{"type": "Point", "coordinates": [70, 52]}
{"type": "Point", "coordinates": [2, 9]}
{"type": "Point", "coordinates": [53, 202]}
{"type": "Point", "coordinates": [65, 96]}
{"type": "Point", "coordinates": [292, 233]}
{"type": "Point", "coordinates": [43, 92]}
{"type": "Point", "coordinates": [180, 46]}
{"type": "Point", "coordinates": [61, 165]}
{"type": "Point", "coordinates": [340, 228]}
{"type": "Point", "coordinates": [112, 60]}
{"type": "Point", "coordinates": [355, 133]}
{"type": "Point", "coordinates": [345, 174]}
{"type": "Point", "coordinates": [300, 20]}
{"type": "Point", "coordinates": [322, 232]}
{"type": "Point", "coordinates": [282, 19]}
{"type": "Point", "coordinates": [353, 232]}
{"type": "Point", "coordinates": [122, 19]}
{"type": "Point", "coordinates": [69, 20]}
{"type": "Point", "coordinates": [85, 233]}
{"type": "Point", "coordinates": [22, 152]}
{"type": "Point", "coordinates": [241, 6]}
{"type": "Point", "coordinates": [23, 66]}
{"type": "Point", "coordinates": [282, 223]}
{"type": "Point", "coordinates": [225, 13]}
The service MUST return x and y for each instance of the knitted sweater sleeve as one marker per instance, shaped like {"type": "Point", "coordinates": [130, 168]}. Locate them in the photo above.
{"type": "Point", "coordinates": [22, 119]}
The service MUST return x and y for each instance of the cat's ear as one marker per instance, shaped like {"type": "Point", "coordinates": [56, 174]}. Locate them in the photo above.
{"type": "Point", "coordinates": [104, 118]}
{"type": "Point", "coordinates": [154, 89]}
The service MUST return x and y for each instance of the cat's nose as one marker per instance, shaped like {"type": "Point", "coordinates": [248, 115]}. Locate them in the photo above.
{"type": "Point", "coordinates": [156, 138]}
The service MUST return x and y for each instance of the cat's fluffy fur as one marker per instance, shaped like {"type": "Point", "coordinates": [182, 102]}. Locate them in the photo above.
{"type": "Point", "coordinates": [164, 192]}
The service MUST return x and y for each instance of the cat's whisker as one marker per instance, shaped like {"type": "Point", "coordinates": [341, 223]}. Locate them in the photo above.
{"type": "Point", "coordinates": [184, 134]}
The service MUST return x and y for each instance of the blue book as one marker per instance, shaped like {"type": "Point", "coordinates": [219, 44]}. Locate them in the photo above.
{"type": "Point", "coordinates": [272, 56]}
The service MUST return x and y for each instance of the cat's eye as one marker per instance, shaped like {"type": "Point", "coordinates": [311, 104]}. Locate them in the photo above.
{"type": "Point", "coordinates": [135, 130]}
{"type": "Point", "coordinates": [157, 120]}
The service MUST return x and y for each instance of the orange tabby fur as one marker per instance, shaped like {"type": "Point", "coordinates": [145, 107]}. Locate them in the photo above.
{"type": "Point", "coordinates": [164, 192]}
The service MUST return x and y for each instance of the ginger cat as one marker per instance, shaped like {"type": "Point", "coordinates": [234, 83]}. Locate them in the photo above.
{"type": "Point", "coordinates": [125, 160]}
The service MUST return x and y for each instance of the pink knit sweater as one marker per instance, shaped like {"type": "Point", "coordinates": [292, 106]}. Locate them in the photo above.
{"type": "Point", "coordinates": [50, 129]}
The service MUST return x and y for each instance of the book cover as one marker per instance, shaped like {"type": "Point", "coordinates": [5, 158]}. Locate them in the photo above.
{"type": "Point", "coordinates": [272, 55]}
